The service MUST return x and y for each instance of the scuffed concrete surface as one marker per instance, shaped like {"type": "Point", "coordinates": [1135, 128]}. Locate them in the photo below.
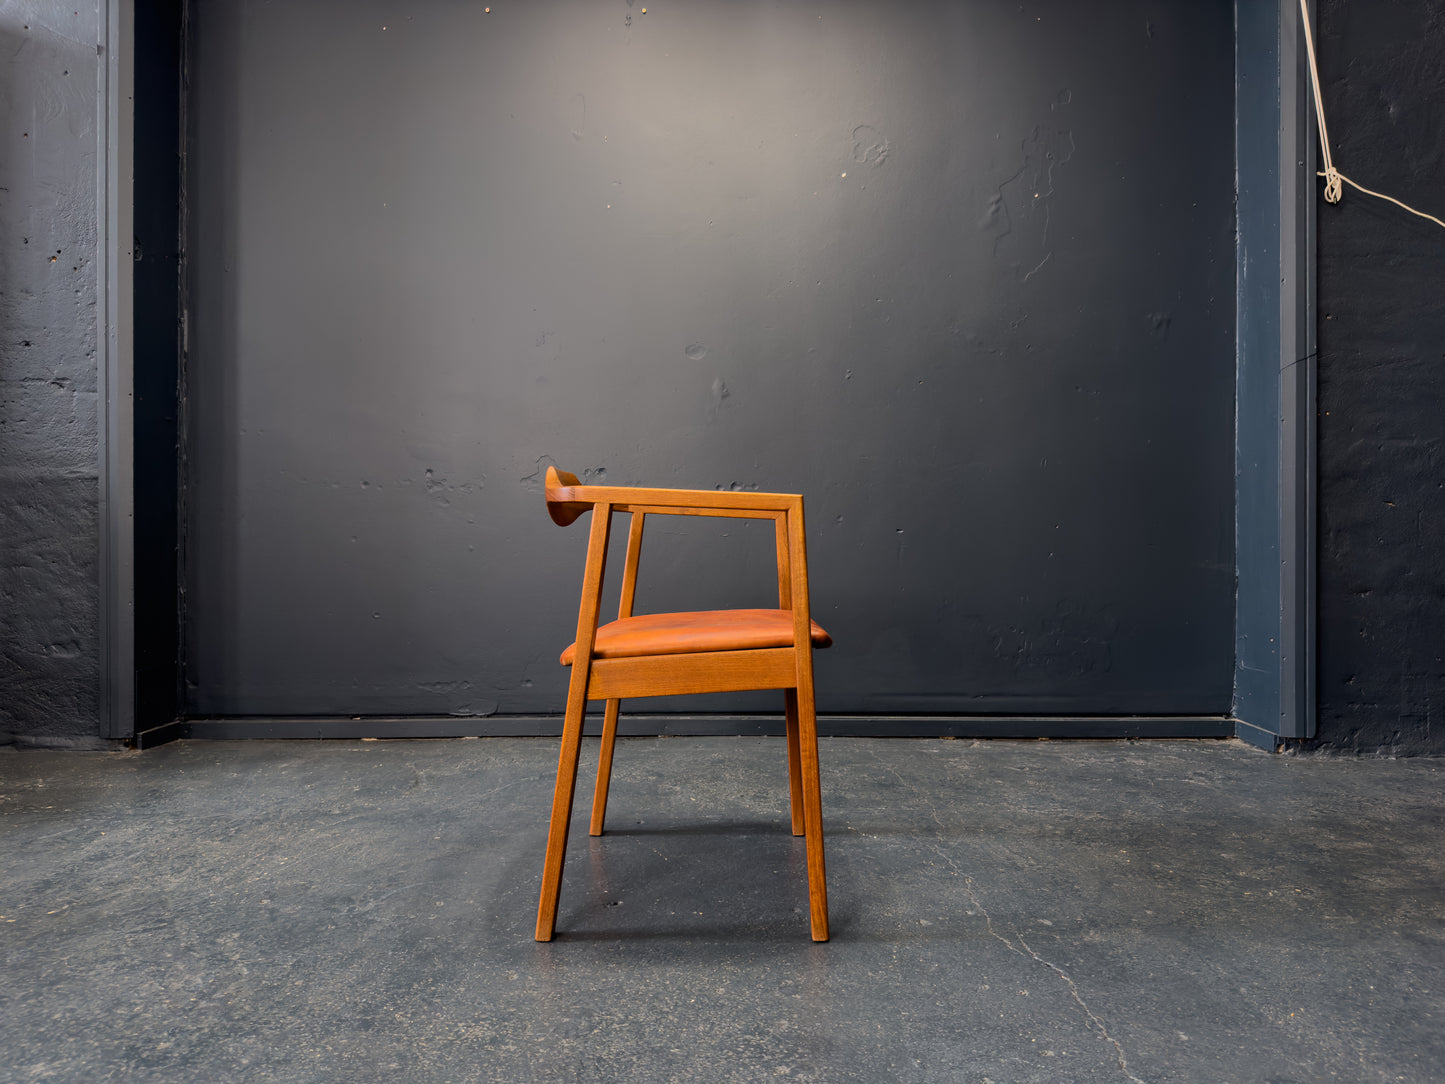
{"type": "Point", "coordinates": [1001, 911]}
{"type": "Point", "coordinates": [49, 540]}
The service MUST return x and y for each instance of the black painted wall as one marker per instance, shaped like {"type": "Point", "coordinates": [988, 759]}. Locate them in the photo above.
{"type": "Point", "coordinates": [1382, 384]}
{"type": "Point", "coordinates": [966, 284]}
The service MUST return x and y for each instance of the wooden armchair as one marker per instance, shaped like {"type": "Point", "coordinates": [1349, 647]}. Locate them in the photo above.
{"type": "Point", "coordinates": [668, 654]}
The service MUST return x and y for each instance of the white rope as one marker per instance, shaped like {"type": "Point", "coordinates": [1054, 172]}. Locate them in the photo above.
{"type": "Point", "coordinates": [1334, 179]}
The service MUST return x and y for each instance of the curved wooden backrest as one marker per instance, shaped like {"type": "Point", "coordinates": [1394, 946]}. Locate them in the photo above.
{"type": "Point", "coordinates": [562, 510]}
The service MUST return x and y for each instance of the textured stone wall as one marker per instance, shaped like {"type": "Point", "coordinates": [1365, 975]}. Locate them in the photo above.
{"type": "Point", "coordinates": [1382, 384]}
{"type": "Point", "coordinates": [49, 536]}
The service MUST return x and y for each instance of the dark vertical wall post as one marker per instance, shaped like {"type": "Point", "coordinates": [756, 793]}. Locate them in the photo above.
{"type": "Point", "coordinates": [1297, 362]}
{"type": "Point", "coordinates": [1257, 405]}
{"type": "Point", "coordinates": [157, 288]}
{"type": "Point", "coordinates": [1274, 629]}
{"type": "Point", "coordinates": [115, 347]}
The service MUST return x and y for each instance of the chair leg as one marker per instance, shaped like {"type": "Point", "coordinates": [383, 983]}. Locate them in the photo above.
{"type": "Point", "coordinates": [561, 813]}
{"type": "Point", "coordinates": [812, 810]}
{"type": "Point", "coordinates": [795, 768]}
{"type": "Point", "coordinates": [604, 766]}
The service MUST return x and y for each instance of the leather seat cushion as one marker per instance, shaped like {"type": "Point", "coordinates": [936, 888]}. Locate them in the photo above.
{"type": "Point", "coordinates": [683, 633]}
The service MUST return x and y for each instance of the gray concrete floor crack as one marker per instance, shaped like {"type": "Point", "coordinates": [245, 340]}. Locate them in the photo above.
{"type": "Point", "coordinates": [1018, 944]}
{"type": "Point", "coordinates": [1094, 1021]}
{"type": "Point", "coordinates": [914, 791]}
{"type": "Point", "coordinates": [1023, 948]}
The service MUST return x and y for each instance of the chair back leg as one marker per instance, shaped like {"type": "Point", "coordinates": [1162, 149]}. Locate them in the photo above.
{"type": "Point", "coordinates": [795, 764]}
{"type": "Point", "coordinates": [604, 766]}
{"type": "Point", "coordinates": [812, 806]}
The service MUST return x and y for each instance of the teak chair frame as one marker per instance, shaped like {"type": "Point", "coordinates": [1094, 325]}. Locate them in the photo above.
{"type": "Point", "coordinates": [788, 668]}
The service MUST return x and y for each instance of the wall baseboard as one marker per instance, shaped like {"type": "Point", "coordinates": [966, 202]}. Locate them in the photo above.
{"type": "Point", "coordinates": [314, 728]}
{"type": "Point", "coordinates": [1257, 736]}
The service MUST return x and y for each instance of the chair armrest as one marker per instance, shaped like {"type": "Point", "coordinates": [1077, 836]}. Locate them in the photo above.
{"type": "Point", "coordinates": [567, 500]}
{"type": "Point", "coordinates": [700, 510]}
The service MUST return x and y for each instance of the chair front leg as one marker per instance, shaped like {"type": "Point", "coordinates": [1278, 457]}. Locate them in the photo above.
{"type": "Point", "coordinates": [572, 724]}
{"type": "Point", "coordinates": [561, 812]}
{"type": "Point", "coordinates": [604, 766]}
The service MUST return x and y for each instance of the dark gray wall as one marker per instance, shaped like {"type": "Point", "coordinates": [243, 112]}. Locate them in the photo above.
{"type": "Point", "coordinates": [967, 285]}
{"type": "Point", "coordinates": [49, 531]}
{"type": "Point", "coordinates": [1382, 385]}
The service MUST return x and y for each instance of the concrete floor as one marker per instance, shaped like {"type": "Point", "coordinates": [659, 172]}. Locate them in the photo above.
{"type": "Point", "coordinates": [1001, 911]}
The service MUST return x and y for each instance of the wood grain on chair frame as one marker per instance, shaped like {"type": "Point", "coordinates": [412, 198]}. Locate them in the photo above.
{"type": "Point", "coordinates": [696, 652]}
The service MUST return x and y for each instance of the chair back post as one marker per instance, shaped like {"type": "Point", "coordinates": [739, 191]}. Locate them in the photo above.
{"type": "Point", "coordinates": [785, 577]}
{"type": "Point", "coordinates": [629, 566]}
{"type": "Point", "coordinates": [797, 545]}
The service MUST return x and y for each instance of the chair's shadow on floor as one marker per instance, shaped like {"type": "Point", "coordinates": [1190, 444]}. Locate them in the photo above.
{"type": "Point", "coordinates": [727, 882]}
{"type": "Point", "coordinates": [743, 882]}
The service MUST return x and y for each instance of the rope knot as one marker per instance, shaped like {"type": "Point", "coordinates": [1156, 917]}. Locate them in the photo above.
{"type": "Point", "coordinates": [1334, 184]}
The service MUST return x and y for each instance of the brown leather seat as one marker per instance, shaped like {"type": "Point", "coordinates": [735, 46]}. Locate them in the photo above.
{"type": "Point", "coordinates": [706, 630]}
